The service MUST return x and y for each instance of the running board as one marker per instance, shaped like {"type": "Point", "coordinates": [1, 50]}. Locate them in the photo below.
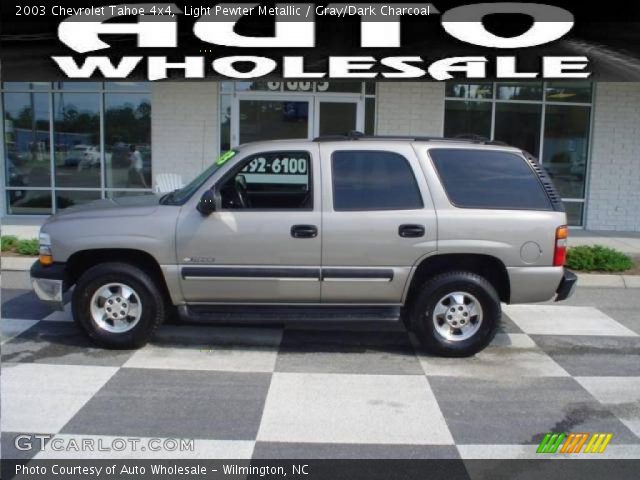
{"type": "Point", "coordinates": [286, 314]}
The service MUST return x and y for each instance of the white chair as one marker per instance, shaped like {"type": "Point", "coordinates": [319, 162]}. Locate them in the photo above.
{"type": "Point", "coordinates": [168, 182]}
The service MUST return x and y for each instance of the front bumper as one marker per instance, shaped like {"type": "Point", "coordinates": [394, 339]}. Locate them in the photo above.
{"type": "Point", "coordinates": [49, 283]}
{"type": "Point", "coordinates": [567, 285]}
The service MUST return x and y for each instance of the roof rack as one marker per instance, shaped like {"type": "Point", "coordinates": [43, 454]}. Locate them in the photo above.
{"type": "Point", "coordinates": [355, 135]}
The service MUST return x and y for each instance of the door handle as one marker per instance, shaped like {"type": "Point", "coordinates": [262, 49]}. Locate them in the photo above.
{"type": "Point", "coordinates": [304, 231]}
{"type": "Point", "coordinates": [411, 231]}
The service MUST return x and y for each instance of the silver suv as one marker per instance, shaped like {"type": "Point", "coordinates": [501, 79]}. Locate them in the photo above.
{"type": "Point", "coordinates": [436, 232]}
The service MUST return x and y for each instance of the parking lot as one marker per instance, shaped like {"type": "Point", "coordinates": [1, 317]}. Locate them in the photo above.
{"type": "Point", "coordinates": [318, 391]}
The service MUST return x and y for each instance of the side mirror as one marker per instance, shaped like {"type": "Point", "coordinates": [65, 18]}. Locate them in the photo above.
{"type": "Point", "coordinates": [207, 203]}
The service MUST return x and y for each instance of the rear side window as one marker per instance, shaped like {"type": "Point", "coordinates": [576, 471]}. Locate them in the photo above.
{"type": "Point", "coordinates": [488, 179]}
{"type": "Point", "coordinates": [373, 180]}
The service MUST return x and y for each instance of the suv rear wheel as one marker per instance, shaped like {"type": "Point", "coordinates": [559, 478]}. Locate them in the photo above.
{"type": "Point", "coordinates": [117, 305]}
{"type": "Point", "coordinates": [456, 314]}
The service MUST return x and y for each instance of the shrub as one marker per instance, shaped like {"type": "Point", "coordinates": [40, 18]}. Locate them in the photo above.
{"type": "Point", "coordinates": [597, 258]}
{"type": "Point", "coordinates": [27, 247]}
{"type": "Point", "coordinates": [8, 242]}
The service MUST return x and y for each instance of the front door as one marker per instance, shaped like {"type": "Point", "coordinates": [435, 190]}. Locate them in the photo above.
{"type": "Point", "coordinates": [261, 117]}
{"type": "Point", "coordinates": [262, 245]}
{"type": "Point", "coordinates": [337, 116]}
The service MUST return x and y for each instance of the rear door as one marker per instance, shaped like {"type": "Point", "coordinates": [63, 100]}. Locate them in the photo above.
{"type": "Point", "coordinates": [377, 221]}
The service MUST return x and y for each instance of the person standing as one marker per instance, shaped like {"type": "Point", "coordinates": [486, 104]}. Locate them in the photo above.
{"type": "Point", "coordinates": [136, 175]}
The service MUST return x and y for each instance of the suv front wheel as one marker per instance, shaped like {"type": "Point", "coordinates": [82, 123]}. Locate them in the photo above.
{"type": "Point", "coordinates": [118, 305]}
{"type": "Point", "coordinates": [456, 314]}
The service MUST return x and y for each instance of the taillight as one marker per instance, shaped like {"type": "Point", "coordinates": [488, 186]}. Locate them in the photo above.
{"type": "Point", "coordinates": [560, 251]}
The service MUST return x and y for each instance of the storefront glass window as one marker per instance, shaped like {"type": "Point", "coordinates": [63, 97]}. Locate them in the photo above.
{"type": "Point", "coordinates": [70, 198]}
{"type": "Point", "coordinates": [554, 127]}
{"type": "Point", "coordinates": [272, 120]}
{"type": "Point", "coordinates": [519, 91]}
{"type": "Point", "coordinates": [127, 140]}
{"type": "Point", "coordinates": [77, 139]}
{"type": "Point", "coordinates": [578, 92]}
{"type": "Point", "coordinates": [27, 142]}
{"type": "Point", "coordinates": [467, 118]}
{"type": "Point", "coordinates": [369, 116]}
{"type": "Point", "coordinates": [574, 212]}
{"type": "Point", "coordinates": [77, 86]}
{"type": "Point", "coordinates": [127, 86]}
{"type": "Point", "coordinates": [519, 125]}
{"type": "Point", "coordinates": [566, 144]}
{"type": "Point", "coordinates": [265, 110]}
{"type": "Point", "coordinates": [26, 85]}
{"type": "Point", "coordinates": [29, 202]}
{"type": "Point", "coordinates": [225, 123]}
{"type": "Point", "coordinates": [469, 90]}
{"type": "Point", "coordinates": [337, 118]}
{"type": "Point", "coordinates": [57, 127]}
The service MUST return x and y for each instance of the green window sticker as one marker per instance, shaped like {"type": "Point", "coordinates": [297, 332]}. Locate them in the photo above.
{"type": "Point", "coordinates": [225, 157]}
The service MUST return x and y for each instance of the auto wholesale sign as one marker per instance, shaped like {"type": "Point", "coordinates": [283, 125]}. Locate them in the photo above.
{"type": "Point", "coordinates": [307, 41]}
{"type": "Point", "coordinates": [156, 27]}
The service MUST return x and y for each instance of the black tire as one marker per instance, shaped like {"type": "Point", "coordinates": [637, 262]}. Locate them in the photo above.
{"type": "Point", "coordinates": [153, 305]}
{"type": "Point", "coordinates": [422, 321]}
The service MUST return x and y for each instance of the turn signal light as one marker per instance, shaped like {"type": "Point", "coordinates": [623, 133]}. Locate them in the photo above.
{"type": "Point", "coordinates": [560, 251]}
{"type": "Point", "coordinates": [44, 257]}
{"type": "Point", "coordinates": [45, 260]}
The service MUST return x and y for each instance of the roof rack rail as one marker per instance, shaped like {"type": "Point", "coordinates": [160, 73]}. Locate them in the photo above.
{"type": "Point", "coordinates": [472, 137]}
{"type": "Point", "coordinates": [355, 135]}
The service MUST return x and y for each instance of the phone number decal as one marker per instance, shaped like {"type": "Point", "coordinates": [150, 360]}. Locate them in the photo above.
{"type": "Point", "coordinates": [282, 166]}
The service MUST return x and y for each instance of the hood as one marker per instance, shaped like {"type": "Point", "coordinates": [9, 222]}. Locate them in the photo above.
{"type": "Point", "coordinates": [128, 206]}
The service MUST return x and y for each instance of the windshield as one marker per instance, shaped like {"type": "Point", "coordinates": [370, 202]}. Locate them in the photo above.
{"type": "Point", "coordinates": [181, 195]}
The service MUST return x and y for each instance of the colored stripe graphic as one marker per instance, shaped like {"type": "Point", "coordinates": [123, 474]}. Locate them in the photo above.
{"type": "Point", "coordinates": [573, 443]}
{"type": "Point", "coordinates": [570, 443]}
{"type": "Point", "coordinates": [543, 444]}
{"type": "Point", "coordinates": [581, 442]}
{"type": "Point", "coordinates": [598, 443]}
{"type": "Point", "coordinates": [559, 440]}
{"type": "Point", "coordinates": [550, 443]}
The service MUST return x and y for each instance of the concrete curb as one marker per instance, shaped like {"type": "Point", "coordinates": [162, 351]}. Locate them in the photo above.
{"type": "Point", "coordinates": [17, 264]}
{"type": "Point", "coordinates": [598, 280]}
{"type": "Point", "coordinates": [601, 280]}
{"type": "Point", "coordinates": [589, 280]}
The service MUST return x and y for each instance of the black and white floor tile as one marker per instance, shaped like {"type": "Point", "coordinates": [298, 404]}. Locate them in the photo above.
{"type": "Point", "coordinates": [246, 392]}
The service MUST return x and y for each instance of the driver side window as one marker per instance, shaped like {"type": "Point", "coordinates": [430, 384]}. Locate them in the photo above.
{"type": "Point", "coordinates": [270, 181]}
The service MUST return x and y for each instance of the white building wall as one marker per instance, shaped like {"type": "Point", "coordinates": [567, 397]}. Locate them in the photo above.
{"type": "Point", "coordinates": [185, 130]}
{"type": "Point", "coordinates": [614, 187]}
{"type": "Point", "coordinates": [410, 108]}
{"type": "Point", "coordinates": [184, 127]}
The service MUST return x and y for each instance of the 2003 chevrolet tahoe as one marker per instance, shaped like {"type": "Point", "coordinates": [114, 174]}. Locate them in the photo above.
{"type": "Point", "coordinates": [437, 232]}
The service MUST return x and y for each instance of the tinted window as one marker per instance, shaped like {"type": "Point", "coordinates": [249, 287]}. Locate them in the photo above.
{"type": "Point", "coordinates": [367, 180]}
{"type": "Point", "coordinates": [270, 180]}
{"type": "Point", "coordinates": [488, 179]}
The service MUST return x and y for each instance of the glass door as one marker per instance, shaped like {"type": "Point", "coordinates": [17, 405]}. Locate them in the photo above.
{"type": "Point", "coordinates": [270, 118]}
{"type": "Point", "coordinates": [338, 116]}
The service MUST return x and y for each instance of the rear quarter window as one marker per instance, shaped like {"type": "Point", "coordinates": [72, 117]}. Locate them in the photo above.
{"type": "Point", "coordinates": [488, 179]}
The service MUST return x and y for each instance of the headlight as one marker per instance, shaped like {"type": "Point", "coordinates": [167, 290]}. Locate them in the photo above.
{"type": "Point", "coordinates": [44, 251]}
{"type": "Point", "coordinates": [44, 239]}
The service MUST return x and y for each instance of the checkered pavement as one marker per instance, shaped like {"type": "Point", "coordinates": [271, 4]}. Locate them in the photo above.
{"type": "Point", "coordinates": [309, 392]}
